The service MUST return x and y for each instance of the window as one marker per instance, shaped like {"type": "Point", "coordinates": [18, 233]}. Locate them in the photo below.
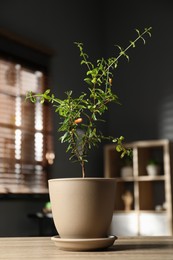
{"type": "Point", "coordinates": [25, 130]}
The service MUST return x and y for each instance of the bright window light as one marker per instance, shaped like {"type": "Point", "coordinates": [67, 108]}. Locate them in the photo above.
{"type": "Point", "coordinates": [38, 147]}
{"type": "Point", "coordinates": [18, 120]}
{"type": "Point", "coordinates": [38, 116]}
{"type": "Point", "coordinates": [18, 137]}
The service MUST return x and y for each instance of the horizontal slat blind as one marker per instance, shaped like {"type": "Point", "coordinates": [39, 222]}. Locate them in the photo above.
{"type": "Point", "coordinates": [25, 131]}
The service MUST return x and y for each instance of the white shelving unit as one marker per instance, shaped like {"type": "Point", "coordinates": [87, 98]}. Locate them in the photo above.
{"type": "Point", "coordinates": [151, 210]}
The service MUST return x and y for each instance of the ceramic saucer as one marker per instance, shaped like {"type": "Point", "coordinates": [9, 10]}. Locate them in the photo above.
{"type": "Point", "coordinates": [83, 244]}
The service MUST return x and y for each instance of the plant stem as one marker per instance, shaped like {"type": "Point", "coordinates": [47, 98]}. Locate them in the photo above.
{"type": "Point", "coordinates": [83, 169]}
{"type": "Point", "coordinates": [130, 45]}
{"type": "Point", "coordinates": [107, 80]}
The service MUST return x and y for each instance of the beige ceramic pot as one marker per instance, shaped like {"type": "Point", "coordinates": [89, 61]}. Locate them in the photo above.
{"type": "Point", "coordinates": [82, 207]}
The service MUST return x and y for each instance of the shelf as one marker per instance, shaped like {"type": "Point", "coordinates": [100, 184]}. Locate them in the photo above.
{"type": "Point", "coordinates": [153, 211]}
{"type": "Point", "coordinates": [141, 178]}
{"type": "Point", "coordinates": [124, 212]}
{"type": "Point", "coordinates": [150, 196]}
{"type": "Point", "coordinates": [127, 179]}
{"type": "Point", "coordinates": [151, 178]}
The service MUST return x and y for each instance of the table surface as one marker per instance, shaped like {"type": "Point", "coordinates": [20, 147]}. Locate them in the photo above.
{"type": "Point", "coordinates": [35, 248]}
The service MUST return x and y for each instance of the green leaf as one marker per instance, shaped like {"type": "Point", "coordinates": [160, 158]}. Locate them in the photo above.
{"type": "Point", "coordinates": [94, 80]}
{"type": "Point", "coordinates": [89, 72]}
{"type": "Point", "coordinates": [118, 148]}
{"type": "Point", "coordinates": [47, 92]}
{"type": "Point", "coordinates": [123, 154]}
{"type": "Point", "coordinates": [143, 40]}
{"type": "Point", "coordinates": [121, 138]}
{"type": "Point", "coordinates": [138, 32]}
{"type": "Point", "coordinates": [62, 138]}
{"type": "Point", "coordinates": [83, 62]}
{"type": "Point", "coordinates": [133, 44]}
{"type": "Point", "coordinates": [42, 100]}
{"type": "Point", "coordinates": [88, 81]}
{"type": "Point", "coordinates": [94, 117]}
{"type": "Point", "coordinates": [119, 47]}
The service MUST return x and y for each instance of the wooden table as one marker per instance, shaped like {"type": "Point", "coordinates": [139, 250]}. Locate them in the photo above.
{"type": "Point", "coordinates": [131, 248]}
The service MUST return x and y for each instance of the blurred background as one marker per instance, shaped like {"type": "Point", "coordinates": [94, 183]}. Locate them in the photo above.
{"type": "Point", "coordinates": [46, 32]}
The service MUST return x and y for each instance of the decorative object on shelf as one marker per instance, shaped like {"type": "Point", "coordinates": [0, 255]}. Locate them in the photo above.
{"type": "Point", "coordinates": [158, 208]}
{"type": "Point", "coordinates": [153, 168]}
{"type": "Point", "coordinates": [127, 198]}
{"type": "Point", "coordinates": [82, 115]}
{"type": "Point", "coordinates": [126, 171]}
{"type": "Point", "coordinates": [127, 167]}
{"type": "Point", "coordinates": [161, 207]}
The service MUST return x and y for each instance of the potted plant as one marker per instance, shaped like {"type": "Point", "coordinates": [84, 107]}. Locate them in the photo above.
{"type": "Point", "coordinates": [153, 168]}
{"type": "Point", "coordinates": [82, 208]}
{"type": "Point", "coordinates": [127, 168]}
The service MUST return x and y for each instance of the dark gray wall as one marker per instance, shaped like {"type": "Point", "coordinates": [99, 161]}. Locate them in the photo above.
{"type": "Point", "coordinates": [144, 85]}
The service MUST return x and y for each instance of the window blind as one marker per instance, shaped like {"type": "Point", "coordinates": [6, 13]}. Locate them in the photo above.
{"type": "Point", "coordinates": [26, 149]}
